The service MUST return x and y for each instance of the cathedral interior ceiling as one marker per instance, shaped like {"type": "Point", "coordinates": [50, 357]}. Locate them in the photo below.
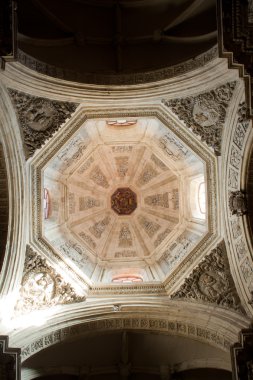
{"type": "Point", "coordinates": [125, 200]}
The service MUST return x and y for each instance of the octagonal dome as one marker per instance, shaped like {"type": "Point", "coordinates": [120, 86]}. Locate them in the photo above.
{"type": "Point", "coordinates": [142, 169]}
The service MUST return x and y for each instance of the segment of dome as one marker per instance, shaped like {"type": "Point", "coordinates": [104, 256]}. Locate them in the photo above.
{"type": "Point", "coordinates": [124, 200]}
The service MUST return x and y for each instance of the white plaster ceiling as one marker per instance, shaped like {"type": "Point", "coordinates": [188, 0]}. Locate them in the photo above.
{"type": "Point", "coordinates": [164, 175]}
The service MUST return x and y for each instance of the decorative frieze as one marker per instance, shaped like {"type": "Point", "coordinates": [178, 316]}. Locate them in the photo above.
{"type": "Point", "coordinates": [205, 113]}
{"type": "Point", "coordinates": [211, 282]}
{"type": "Point", "coordinates": [164, 325]}
{"type": "Point", "coordinates": [42, 287]}
{"type": "Point", "coordinates": [39, 118]}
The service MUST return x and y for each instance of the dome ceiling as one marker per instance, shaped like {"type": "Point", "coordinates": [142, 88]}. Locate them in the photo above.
{"type": "Point", "coordinates": [91, 40]}
{"type": "Point", "coordinates": [119, 194]}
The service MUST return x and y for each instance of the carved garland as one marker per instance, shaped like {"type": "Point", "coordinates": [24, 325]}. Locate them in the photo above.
{"type": "Point", "coordinates": [205, 113]}
{"type": "Point", "coordinates": [42, 287]}
{"type": "Point", "coordinates": [39, 118]}
{"type": "Point", "coordinates": [212, 282]}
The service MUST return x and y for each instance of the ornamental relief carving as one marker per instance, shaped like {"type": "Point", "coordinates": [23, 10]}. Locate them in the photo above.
{"type": "Point", "coordinates": [211, 282]}
{"type": "Point", "coordinates": [161, 200]}
{"type": "Point", "coordinates": [125, 236]}
{"type": "Point", "coordinates": [122, 165]}
{"type": "Point", "coordinates": [98, 177]}
{"type": "Point", "coordinates": [148, 226]}
{"type": "Point", "coordinates": [42, 287]}
{"type": "Point", "coordinates": [98, 228]}
{"type": "Point", "coordinates": [205, 113]}
{"type": "Point", "coordinates": [237, 203]}
{"type": "Point", "coordinates": [147, 174]}
{"type": "Point", "coordinates": [39, 118]}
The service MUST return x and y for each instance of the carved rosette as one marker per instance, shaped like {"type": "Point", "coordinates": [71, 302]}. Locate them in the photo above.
{"type": "Point", "coordinates": [42, 287]}
{"type": "Point", "coordinates": [237, 203]}
{"type": "Point", "coordinates": [205, 113]}
{"type": "Point", "coordinates": [211, 282]}
{"type": "Point", "coordinates": [39, 118]}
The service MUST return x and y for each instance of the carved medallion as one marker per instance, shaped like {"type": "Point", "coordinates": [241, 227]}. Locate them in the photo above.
{"type": "Point", "coordinates": [123, 201]}
{"type": "Point", "coordinates": [39, 118]}
{"type": "Point", "coordinates": [237, 203]}
{"type": "Point", "coordinates": [42, 287]}
{"type": "Point", "coordinates": [212, 282]}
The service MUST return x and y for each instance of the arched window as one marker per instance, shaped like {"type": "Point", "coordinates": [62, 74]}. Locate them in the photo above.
{"type": "Point", "coordinates": [198, 197]}
{"type": "Point", "coordinates": [127, 279]}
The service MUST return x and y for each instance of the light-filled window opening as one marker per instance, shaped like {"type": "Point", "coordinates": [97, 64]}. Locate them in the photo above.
{"type": "Point", "coordinates": [202, 198]}
{"type": "Point", "coordinates": [46, 204]}
{"type": "Point", "coordinates": [198, 197]}
{"type": "Point", "coordinates": [127, 279]}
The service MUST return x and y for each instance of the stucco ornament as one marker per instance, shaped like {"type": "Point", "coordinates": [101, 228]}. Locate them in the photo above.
{"type": "Point", "coordinates": [42, 287]}
{"type": "Point", "coordinates": [39, 118]}
{"type": "Point", "coordinates": [211, 282]}
{"type": "Point", "coordinates": [237, 203]}
{"type": "Point", "coordinates": [205, 113]}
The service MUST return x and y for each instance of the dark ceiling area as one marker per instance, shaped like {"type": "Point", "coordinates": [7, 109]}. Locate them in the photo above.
{"type": "Point", "coordinates": [110, 37]}
{"type": "Point", "coordinates": [127, 355]}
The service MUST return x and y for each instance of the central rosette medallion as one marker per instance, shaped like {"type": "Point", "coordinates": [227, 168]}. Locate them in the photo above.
{"type": "Point", "coordinates": [123, 201]}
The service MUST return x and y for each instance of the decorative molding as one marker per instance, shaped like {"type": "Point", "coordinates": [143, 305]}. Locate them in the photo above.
{"type": "Point", "coordinates": [42, 287]}
{"type": "Point", "coordinates": [10, 368]}
{"type": "Point", "coordinates": [161, 325]}
{"type": "Point", "coordinates": [205, 113]}
{"type": "Point", "coordinates": [39, 118]}
{"type": "Point", "coordinates": [211, 282]}
{"type": "Point", "coordinates": [235, 40]}
{"type": "Point", "coordinates": [242, 356]}
{"type": "Point", "coordinates": [4, 205]}
{"type": "Point", "coordinates": [237, 203]}
{"type": "Point", "coordinates": [119, 79]}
